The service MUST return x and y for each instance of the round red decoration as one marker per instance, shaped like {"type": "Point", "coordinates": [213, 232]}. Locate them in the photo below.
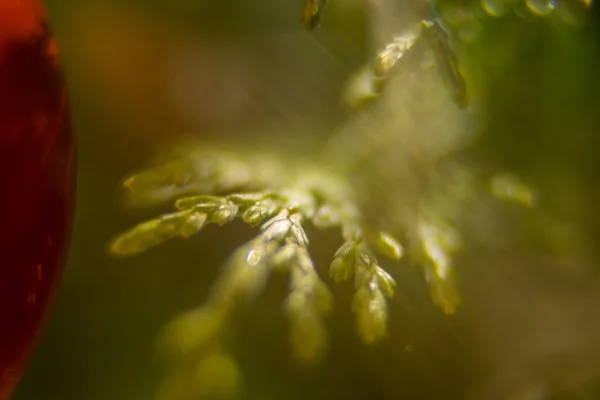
{"type": "Point", "coordinates": [37, 168]}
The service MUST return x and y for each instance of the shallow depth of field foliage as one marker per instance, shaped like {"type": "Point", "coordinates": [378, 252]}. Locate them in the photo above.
{"type": "Point", "coordinates": [398, 203]}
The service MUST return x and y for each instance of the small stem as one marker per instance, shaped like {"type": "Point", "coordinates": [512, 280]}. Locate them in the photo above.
{"type": "Point", "coordinates": [359, 140]}
{"type": "Point", "coordinates": [386, 18]}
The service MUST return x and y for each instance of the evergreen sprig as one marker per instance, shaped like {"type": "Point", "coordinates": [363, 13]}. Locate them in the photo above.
{"type": "Point", "coordinates": [281, 196]}
{"type": "Point", "coordinates": [313, 196]}
{"type": "Point", "coordinates": [282, 243]}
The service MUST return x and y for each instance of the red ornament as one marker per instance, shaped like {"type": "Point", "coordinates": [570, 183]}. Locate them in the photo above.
{"type": "Point", "coordinates": [36, 181]}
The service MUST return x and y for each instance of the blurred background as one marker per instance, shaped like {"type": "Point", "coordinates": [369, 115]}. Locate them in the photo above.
{"type": "Point", "coordinates": [144, 73]}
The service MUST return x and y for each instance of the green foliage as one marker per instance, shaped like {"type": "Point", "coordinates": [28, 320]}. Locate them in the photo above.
{"type": "Point", "coordinates": [322, 199]}
{"type": "Point", "coordinates": [281, 195]}
{"type": "Point", "coordinates": [281, 243]}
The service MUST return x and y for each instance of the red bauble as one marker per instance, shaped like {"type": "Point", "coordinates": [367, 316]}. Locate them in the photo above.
{"type": "Point", "coordinates": [36, 181]}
